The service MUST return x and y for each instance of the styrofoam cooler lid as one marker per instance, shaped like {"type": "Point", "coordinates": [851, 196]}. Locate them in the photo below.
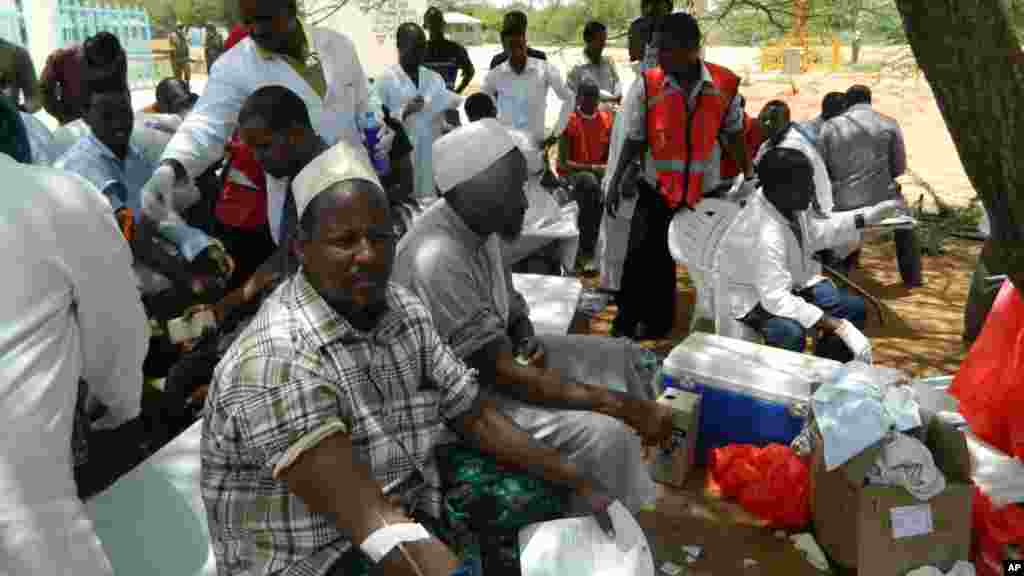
{"type": "Point", "coordinates": [748, 367]}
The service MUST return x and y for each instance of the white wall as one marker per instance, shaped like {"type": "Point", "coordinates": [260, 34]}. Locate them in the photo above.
{"type": "Point", "coordinates": [373, 30]}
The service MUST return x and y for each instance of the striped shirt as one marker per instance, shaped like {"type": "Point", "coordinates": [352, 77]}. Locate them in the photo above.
{"type": "Point", "coordinates": [300, 369]}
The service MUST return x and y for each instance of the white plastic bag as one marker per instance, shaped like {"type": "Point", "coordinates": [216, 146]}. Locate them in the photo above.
{"type": "Point", "coordinates": [999, 476]}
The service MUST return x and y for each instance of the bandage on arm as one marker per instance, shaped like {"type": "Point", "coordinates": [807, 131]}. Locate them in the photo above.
{"type": "Point", "coordinates": [354, 501]}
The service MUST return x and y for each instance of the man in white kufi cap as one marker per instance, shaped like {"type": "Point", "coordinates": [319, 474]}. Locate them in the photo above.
{"type": "Point", "coordinates": [588, 397]}
{"type": "Point", "coordinates": [318, 443]}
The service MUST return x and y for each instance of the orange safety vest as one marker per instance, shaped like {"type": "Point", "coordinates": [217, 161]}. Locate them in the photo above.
{"type": "Point", "coordinates": [681, 140]}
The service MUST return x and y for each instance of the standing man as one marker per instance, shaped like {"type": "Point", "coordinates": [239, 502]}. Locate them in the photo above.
{"type": "Point", "coordinates": [445, 56]}
{"type": "Point", "coordinates": [214, 46]}
{"type": "Point", "coordinates": [181, 59]}
{"type": "Point", "coordinates": [514, 19]}
{"type": "Point", "coordinates": [654, 11]}
{"type": "Point", "coordinates": [419, 98]}
{"type": "Point", "coordinates": [832, 105]}
{"type": "Point", "coordinates": [595, 66]}
{"type": "Point", "coordinates": [319, 65]}
{"type": "Point", "coordinates": [864, 152]}
{"type": "Point", "coordinates": [73, 314]}
{"type": "Point", "coordinates": [60, 82]}
{"type": "Point", "coordinates": [588, 397]}
{"type": "Point", "coordinates": [582, 159]}
{"type": "Point", "coordinates": [519, 86]}
{"type": "Point", "coordinates": [683, 112]}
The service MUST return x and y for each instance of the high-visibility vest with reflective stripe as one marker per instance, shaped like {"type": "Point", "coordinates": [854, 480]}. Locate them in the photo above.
{"type": "Point", "coordinates": [682, 140]}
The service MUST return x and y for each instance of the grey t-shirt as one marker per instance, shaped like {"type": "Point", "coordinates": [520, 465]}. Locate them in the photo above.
{"type": "Point", "coordinates": [461, 279]}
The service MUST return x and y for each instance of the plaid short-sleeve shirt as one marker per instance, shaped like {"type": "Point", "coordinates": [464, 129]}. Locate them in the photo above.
{"type": "Point", "coordinates": [300, 369]}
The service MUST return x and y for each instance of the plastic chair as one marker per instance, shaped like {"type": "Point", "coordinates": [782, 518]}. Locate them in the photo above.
{"type": "Point", "coordinates": [696, 238]}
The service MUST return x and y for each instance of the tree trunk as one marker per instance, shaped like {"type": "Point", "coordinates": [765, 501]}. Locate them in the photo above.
{"type": "Point", "coordinates": [855, 7]}
{"type": "Point", "coordinates": [972, 59]}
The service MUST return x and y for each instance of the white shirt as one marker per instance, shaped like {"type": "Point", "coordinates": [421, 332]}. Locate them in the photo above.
{"type": "Point", "coordinates": [241, 71]}
{"type": "Point", "coordinates": [395, 89]}
{"type": "Point", "coordinates": [620, 130]}
{"type": "Point", "coordinates": [150, 135]}
{"type": "Point", "coordinates": [603, 74]}
{"type": "Point", "coordinates": [72, 311]}
{"type": "Point", "coordinates": [522, 99]}
{"type": "Point", "coordinates": [779, 263]}
{"type": "Point", "coordinates": [797, 138]}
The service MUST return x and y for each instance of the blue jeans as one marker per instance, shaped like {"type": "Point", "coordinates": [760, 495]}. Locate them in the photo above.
{"type": "Point", "coordinates": [789, 334]}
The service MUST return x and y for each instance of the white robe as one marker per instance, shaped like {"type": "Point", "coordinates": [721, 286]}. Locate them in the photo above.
{"type": "Point", "coordinates": [613, 237]}
{"type": "Point", "coordinates": [71, 313]}
{"type": "Point", "coordinates": [395, 90]}
{"type": "Point", "coordinates": [241, 71]}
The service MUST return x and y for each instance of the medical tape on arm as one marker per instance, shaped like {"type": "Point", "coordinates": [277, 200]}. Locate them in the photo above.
{"type": "Point", "coordinates": [380, 543]}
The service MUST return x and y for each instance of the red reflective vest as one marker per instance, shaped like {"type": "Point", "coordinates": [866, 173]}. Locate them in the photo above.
{"type": "Point", "coordinates": [681, 140]}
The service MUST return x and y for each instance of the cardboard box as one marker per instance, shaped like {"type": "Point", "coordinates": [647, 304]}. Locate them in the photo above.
{"type": "Point", "coordinates": [884, 530]}
{"type": "Point", "coordinates": [673, 465]}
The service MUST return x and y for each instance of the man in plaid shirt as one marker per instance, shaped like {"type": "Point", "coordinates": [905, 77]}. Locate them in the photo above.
{"type": "Point", "coordinates": [323, 416]}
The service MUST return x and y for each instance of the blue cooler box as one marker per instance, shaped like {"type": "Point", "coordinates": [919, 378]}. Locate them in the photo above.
{"type": "Point", "coordinates": [750, 393]}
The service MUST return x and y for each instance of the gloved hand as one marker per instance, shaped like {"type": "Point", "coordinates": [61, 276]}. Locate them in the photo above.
{"type": "Point", "coordinates": [875, 214]}
{"type": "Point", "coordinates": [158, 193]}
{"type": "Point", "coordinates": [855, 340]}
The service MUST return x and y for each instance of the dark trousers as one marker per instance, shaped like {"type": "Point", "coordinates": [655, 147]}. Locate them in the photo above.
{"type": "Point", "coordinates": [586, 191]}
{"type": "Point", "coordinates": [648, 288]}
{"type": "Point", "coordinates": [789, 334]}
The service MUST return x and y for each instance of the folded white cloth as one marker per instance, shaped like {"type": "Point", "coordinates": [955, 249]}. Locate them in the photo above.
{"type": "Point", "coordinates": [959, 569]}
{"type": "Point", "coordinates": [905, 461]}
{"type": "Point", "coordinates": [859, 407]}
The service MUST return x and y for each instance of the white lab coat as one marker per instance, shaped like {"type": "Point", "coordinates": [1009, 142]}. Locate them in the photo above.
{"type": "Point", "coordinates": [241, 71]}
{"type": "Point", "coordinates": [72, 312]}
{"type": "Point", "coordinates": [395, 90]}
{"type": "Point", "coordinates": [777, 264]}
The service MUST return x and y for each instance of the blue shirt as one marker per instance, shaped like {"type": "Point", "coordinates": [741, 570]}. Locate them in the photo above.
{"type": "Point", "coordinates": [121, 181]}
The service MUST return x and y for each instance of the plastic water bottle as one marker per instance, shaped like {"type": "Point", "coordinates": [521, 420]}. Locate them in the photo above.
{"type": "Point", "coordinates": [372, 132]}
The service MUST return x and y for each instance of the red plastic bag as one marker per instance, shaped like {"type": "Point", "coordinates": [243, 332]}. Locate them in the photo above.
{"type": "Point", "coordinates": [989, 384]}
{"type": "Point", "coordinates": [771, 482]}
{"type": "Point", "coordinates": [994, 529]}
